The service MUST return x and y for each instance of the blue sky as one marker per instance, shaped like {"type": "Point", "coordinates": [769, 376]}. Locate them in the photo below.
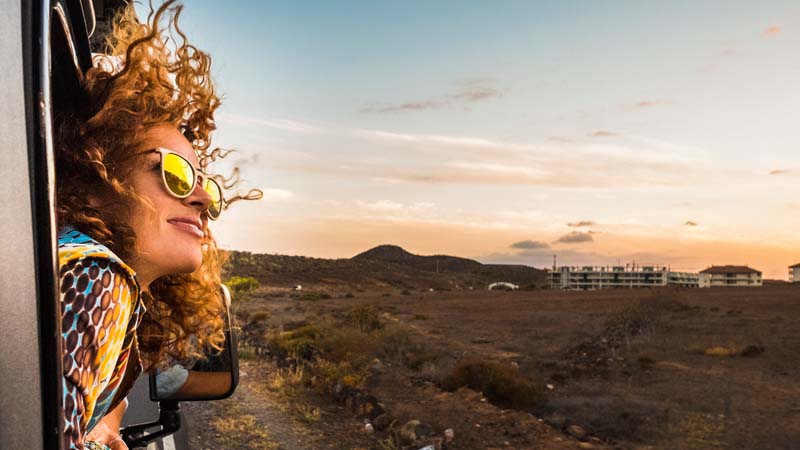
{"type": "Point", "coordinates": [466, 127]}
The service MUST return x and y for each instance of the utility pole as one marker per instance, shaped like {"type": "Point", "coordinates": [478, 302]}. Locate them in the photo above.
{"type": "Point", "coordinates": [554, 262]}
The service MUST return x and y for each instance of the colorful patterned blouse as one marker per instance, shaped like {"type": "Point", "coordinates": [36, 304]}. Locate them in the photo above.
{"type": "Point", "coordinates": [100, 310]}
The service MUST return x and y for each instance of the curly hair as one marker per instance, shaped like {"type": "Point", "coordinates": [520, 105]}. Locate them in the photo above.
{"type": "Point", "coordinates": [149, 75]}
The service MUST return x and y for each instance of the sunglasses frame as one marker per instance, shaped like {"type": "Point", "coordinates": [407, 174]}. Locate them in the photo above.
{"type": "Point", "coordinates": [197, 175]}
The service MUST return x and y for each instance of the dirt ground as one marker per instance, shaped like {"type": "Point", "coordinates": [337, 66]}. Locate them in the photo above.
{"type": "Point", "coordinates": [630, 369]}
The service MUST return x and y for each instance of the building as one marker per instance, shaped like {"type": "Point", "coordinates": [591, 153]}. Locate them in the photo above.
{"type": "Point", "coordinates": [794, 273]}
{"type": "Point", "coordinates": [594, 277]}
{"type": "Point", "coordinates": [730, 276]}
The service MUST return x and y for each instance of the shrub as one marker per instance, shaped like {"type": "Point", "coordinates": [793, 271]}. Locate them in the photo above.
{"type": "Point", "coordinates": [752, 350]}
{"type": "Point", "coordinates": [259, 316]}
{"type": "Point", "coordinates": [646, 362]}
{"type": "Point", "coordinates": [721, 351]}
{"type": "Point", "coordinates": [502, 384]}
{"type": "Point", "coordinates": [325, 296]}
{"type": "Point", "coordinates": [363, 317]}
{"type": "Point", "coordinates": [242, 287]}
{"type": "Point", "coordinates": [311, 296]}
{"type": "Point", "coordinates": [300, 342]}
{"type": "Point", "coordinates": [420, 317]}
{"type": "Point", "coordinates": [417, 356]}
{"type": "Point", "coordinates": [246, 352]}
{"type": "Point", "coordinates": [327, 374]}
{"type": "Point", "coordinates": [349, 295]}
{"type": "Point", "coordinates": [405, 292]}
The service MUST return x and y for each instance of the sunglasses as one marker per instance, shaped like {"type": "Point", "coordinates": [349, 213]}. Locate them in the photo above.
{"type": "Point", "coordinates": [180, 178]}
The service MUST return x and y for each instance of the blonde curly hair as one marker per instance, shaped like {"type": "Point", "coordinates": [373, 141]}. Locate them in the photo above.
{"type": "Point", "coordinates": [148, 75]}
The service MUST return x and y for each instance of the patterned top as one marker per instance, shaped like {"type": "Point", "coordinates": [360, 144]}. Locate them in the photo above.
{"type": "Point", "coordinates": [100, 311]}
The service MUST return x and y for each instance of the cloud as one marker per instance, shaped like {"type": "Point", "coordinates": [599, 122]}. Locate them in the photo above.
{"type": "Point", "coordinates": [773, 30]}
{"type": "Point", "coordinates": [644, 104]}
{"type": "Point", "coordinates": [575, 237]}
{"type": "Point", "coordinates": [690, 223]}
{"type": "Point", "coordinates": [778, 172]}
{"type": "Point", "coordinates": [276, 123]}
{"type": "Point", "coordinates": [276, 195]}
{"type": "Point", "coordinates": [470, 91]}
{"type": "Point", "coordinates": [530, 245]}
{"type": "Point", "coordinates": [603, 133]}
{"type": "Point", "coordinates": [582, 223]}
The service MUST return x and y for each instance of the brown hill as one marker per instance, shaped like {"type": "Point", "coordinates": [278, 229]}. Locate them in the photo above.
{"type": "Point", "coordinates": [382, 267]}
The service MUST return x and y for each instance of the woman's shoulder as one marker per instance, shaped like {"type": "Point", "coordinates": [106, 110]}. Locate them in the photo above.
{"type": "Point", "coordinates": [74, 245]}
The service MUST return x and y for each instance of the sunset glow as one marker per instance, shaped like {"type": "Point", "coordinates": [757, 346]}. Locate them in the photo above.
{"type": "Point", "coordinates": [600, 132]}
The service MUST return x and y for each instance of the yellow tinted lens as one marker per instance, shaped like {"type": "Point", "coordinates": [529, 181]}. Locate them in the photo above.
{"type": "Point", "coordinates": [178, 174]}
{"type": "Point", "coordinates": [215, 192]}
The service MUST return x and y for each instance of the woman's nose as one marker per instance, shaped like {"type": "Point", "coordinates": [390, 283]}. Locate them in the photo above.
{"type": "Point", "coordinates": [199, 198]}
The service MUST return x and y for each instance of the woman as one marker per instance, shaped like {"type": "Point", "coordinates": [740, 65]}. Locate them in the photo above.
{"type": "Point", "coordinates": [139, 269]}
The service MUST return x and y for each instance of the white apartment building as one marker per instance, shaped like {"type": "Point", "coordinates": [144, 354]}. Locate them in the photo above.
{"type": "Point", "coordinates": [794, 273]}
{"type": "Point", "coordinates": [600, 277]}
{"type": "Point", "coordinates": [730, 276]}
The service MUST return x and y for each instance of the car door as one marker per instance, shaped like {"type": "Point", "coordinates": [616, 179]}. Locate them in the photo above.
{"type": "Point", "coordinates": [35, 42]}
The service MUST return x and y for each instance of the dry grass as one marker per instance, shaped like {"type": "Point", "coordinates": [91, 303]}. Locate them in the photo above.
{"type": "Point", "coordinates": [307, 413]}
{"type": "Point", "coordinates": [242, 431]}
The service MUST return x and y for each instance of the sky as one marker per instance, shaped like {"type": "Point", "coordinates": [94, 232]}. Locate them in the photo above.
{"type": "Point", "coordinates": [509, 132]}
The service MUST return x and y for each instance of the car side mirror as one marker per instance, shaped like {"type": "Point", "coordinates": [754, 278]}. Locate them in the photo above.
{"type": "Point", "coordinates": [213, 378]}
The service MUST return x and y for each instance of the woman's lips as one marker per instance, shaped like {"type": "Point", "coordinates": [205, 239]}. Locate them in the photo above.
{"type": "Point", "coordinates": [188, 226]}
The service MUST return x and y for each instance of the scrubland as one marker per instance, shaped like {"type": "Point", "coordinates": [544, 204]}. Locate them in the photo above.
{"type": "Point", "coordinates": [628, 369]}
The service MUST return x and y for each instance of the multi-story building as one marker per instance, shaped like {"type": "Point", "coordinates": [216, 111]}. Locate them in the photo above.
{"type": "Point", "coordinates": [730, 276]}
{"type": "Point", "coordinates": [794, 273]}
{"type": "Point", "coordinates": [594, 277]}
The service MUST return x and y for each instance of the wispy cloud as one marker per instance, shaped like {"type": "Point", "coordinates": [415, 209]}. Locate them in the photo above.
{"type": "Point", "coordinates": [467, 92]}
{"type": "Point", "coordinates": [277, 195]}
{"type": "Point", "coordinates": [530, 245]}
{"type": "Point", "coordinates": [575, 237]}
{"type": "Point", "coordinates": [644, 104]}
{"type": "Point", "coordinates": [778, 172]}
{"type": "Point", "coordinates": [603, 133]}
{"type": "Point", "coordinates": [773, 30]}
{"type": "Point", "coordinates": [276, 123]}
{"type": "Point", "coordinates": [690, 223]}
{"type": "Point", "coordinates": [582, 223]}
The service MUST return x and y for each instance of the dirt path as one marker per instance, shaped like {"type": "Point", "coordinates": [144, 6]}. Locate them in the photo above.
{"type": "Point", "coordinates": [249, 419]}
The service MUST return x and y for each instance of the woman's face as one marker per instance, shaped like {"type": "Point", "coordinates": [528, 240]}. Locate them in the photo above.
{"type": "Point", "coordinates": [169, 234]}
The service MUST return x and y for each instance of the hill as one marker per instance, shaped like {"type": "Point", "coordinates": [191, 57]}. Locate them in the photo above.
{"type": "Point", "coordinates": [382, 267]}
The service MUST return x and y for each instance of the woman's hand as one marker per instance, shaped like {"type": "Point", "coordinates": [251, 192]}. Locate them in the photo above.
{"type": "Point", "coordinates": [103, 434]}
{"type": "Point", "coordinates": [107, 429]}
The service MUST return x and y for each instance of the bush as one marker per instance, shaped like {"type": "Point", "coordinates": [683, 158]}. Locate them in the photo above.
{"type": "Point", "coordinates": [300, 342]}
{"type": "Point", "coordinates": [259, 316]}
{"type": "Point", "coordinates": [363, 317]}
{"type": "Point", "coordinates": [405, 292]}
{"type": "Point", "coordinates": [242, 287]}
{"type": "Point", "coordinates": [327, 374]}
{"type": "Point", "coordinates": [311, 296]}
{"type": "Point", "coordinates": [349, 295]}
{"type": "Point", "coordinates": [502, 384]}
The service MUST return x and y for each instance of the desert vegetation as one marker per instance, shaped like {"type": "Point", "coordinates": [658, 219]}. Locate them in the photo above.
{"type": "Point", "coordinates": [631, 369]}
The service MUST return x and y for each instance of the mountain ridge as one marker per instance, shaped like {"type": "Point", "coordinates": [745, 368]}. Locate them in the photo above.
{"type": "Point", "coordinates": [384, 266]}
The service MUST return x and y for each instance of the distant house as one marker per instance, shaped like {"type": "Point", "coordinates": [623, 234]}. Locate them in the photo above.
{"type": "Point", "coordinates": [794, 273]}
{"type": "Point", "coordinates": [730, 276]}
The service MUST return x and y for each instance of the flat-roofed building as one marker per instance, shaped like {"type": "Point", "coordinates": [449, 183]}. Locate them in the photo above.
{"type": "Point", "coordinates": [730, 276]}
{"type": "Point", "coordinates": [794, 273]}
{"type": "Point", "coordinates": [617, 277]}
